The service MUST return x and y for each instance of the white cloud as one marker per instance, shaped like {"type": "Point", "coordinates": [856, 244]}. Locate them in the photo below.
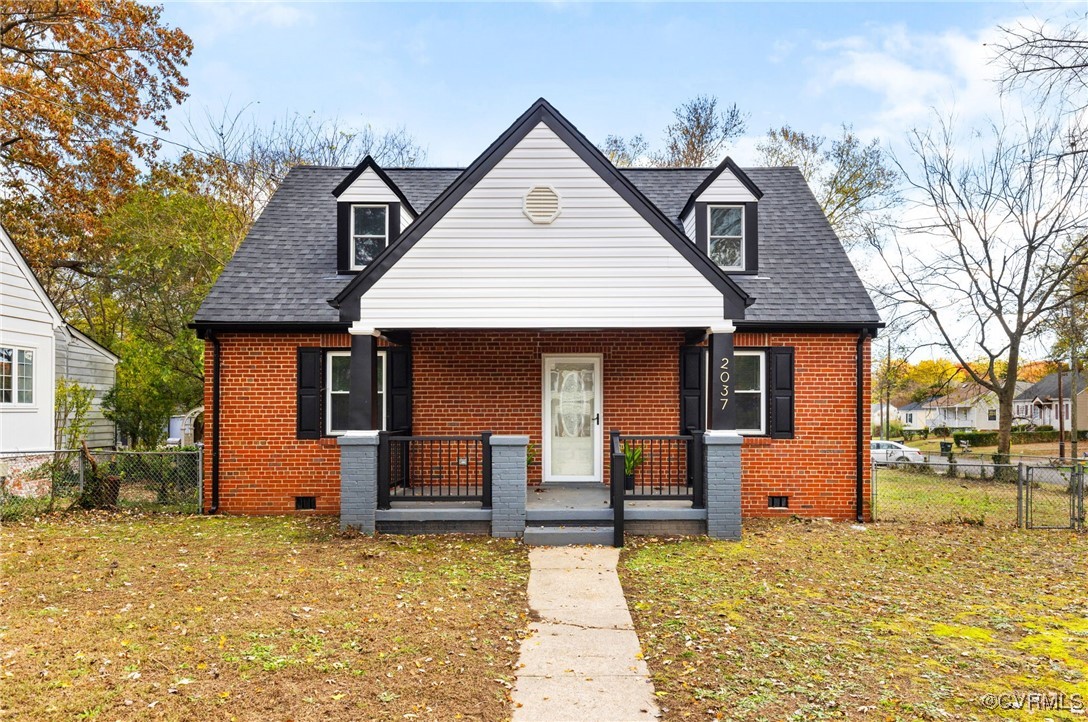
{"type": "Point", "coordinates": [215, 20]}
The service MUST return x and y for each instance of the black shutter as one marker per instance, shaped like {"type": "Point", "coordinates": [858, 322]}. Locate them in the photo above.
{"type": "Point", "coordinates": [692, 389]}
{"type": "Point", "coordinates": [398, 386]}
{"type": "Point", "coordinates": [394, 222]}
{"type": "Point", "coordinates": [343, 237]}
{"type": "Point", "coordinates": [781, 392]}
{"type": "Point", "coordinates": [309, 393]}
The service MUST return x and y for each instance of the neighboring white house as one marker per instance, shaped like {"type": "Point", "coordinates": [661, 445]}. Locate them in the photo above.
{"type": "Point", "coordinates": [914, 416]}
{"type": "Point", "coordinates": [37, 347]}
{"type": "Point", "coordinates": [968, 406]}
{"type": "Point", "coordinates": [1039, 402]}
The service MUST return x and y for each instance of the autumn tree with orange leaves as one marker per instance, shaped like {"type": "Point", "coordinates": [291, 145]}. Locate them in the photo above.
{"type": "Point", "coordinates": [78, 82]}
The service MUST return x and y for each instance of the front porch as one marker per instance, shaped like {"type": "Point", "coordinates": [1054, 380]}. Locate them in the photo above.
{"type": "Point", "coordinates": [685, 484]}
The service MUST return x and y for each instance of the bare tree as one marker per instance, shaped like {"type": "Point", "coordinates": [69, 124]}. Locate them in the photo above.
{"type": "Point", "coordinates": [1001, 235]}
{"type": "Point", "coordinates": [625, 152]}
{"type": "Point", "coordinates": [854, 182]}
{"type": "Point", "coordinates": [1051, 57]}
{"type": "Point", "coordinates": [245, 161]}
{"type": "Point", "coordinates": [700, 133]}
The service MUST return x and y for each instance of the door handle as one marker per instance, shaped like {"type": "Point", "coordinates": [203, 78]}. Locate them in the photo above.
{"type": "Point", "coordinates": [597, 418]}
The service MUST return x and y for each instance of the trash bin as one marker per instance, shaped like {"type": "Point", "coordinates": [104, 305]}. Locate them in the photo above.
{"type": "Point", "coordinates": [946, 448]}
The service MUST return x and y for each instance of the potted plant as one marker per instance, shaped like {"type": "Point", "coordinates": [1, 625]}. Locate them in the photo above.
{"type": "Point", "coordinates": [632, 459]}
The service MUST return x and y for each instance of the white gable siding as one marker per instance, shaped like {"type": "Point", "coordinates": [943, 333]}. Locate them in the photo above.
{"type": "Point", "coordinates": [89, 365]}
{"type": "Point", "coordinates": [370, 188]}
{"type": "Point", "coordinates": [485, 265]}
{"type": "Point", "coordinates": [27, 321]}
{"type": "Point", "coordinates": [726, 188]}
{"type": "Point", "coordinates": [20, 296]}
{"type": "Point", "coordinates": [689, 226]}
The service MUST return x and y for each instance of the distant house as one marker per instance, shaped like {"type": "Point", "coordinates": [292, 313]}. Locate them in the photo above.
{"type": "Point", "coordinates": [968, 406]}
{"type": "Point", "coordinates": [914, 417]}
{"type": "Point", "coordinates": [36, 348]}
{"type": "Point", "coordinates": [1039, 402]}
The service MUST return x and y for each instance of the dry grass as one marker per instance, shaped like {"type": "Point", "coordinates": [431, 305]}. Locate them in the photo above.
{"type": "Point", "coordinates": [821, 621]}
{"type": "Point", "coordinates": [180, 618]}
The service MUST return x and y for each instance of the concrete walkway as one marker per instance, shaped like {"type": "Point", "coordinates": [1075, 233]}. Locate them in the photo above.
{"type": "Point", "coordinates": [583, 660]}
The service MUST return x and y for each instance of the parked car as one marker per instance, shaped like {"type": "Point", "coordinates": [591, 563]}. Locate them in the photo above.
{"type": "Point", "coordinates": [886, 452]}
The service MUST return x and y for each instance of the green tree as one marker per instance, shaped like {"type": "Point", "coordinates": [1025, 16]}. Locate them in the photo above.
{"type": "Point", "coordinates": [144, 396]}
{"type": "Point", "coordinates": [854, 182]}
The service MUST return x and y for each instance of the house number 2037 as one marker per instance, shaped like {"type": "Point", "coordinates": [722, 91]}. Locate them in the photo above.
{"type": "Point", "coordinates": [723, 377]}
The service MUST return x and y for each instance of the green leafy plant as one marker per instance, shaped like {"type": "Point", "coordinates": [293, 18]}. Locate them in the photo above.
{"type": "Point", "coordinates": [531, 454]}
{"type": "Point", "coordinates": [72, 405]}
{"type": "Point", "coordinates": [632, 458]}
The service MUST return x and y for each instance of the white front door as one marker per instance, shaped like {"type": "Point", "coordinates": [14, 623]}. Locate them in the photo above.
{"type": "Point", "coordinates": [572, 418]}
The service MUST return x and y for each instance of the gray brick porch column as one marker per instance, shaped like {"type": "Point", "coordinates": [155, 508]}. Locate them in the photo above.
{"type": "Point", "coordinates": [509, 485]}
{"type": "Point", "coordinates": [358, 480]}
{"type": "Point", "coordinates": [722, 484]}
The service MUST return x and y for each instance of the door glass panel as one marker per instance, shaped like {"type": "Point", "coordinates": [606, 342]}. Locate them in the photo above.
{"type": "Point", "coordinates": [572, 397]}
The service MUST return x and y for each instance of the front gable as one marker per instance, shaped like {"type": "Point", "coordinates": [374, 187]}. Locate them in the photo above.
{"type": "Point", "coordinates": [541, 232]}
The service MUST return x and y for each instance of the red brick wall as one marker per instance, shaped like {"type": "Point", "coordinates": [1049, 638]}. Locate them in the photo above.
{"type": "Point", "coordinates": [469, 381]}
{"type": "Point", "coordinates": [816, 468]}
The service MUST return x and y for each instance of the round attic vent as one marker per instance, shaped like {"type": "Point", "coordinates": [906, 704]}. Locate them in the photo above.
{"type": "Point", "coordinates": [541, 204]}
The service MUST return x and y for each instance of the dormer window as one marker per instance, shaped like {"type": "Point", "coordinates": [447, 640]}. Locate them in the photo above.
{"type": "Point", "coordinates": [369, 233]}
{"type": "Point", "coordinates": [726, 237]}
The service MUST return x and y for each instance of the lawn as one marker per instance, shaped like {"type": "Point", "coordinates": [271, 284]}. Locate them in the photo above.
{"type": "Point", "coordinates": [920, 496]}
{"type": "Point", "coordinates": [813, 620]}
{"type": "Point", "coordinates": [171, 617]}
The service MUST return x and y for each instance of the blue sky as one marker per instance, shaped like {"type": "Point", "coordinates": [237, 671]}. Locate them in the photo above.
{"type": "Point", "coordinates": [456, 75]}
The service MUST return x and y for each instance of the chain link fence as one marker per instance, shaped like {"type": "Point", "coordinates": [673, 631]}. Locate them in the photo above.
{"type": "Point", "coordinates": [1043, 495]}
{"type": "Point", "coordinates": [154, 481]}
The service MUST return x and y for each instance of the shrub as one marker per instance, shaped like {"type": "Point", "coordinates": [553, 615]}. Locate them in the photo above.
{"type": "Point", "coordinates": [1044, 427]}
{"type": "Point", "coordinates": [940, 432]}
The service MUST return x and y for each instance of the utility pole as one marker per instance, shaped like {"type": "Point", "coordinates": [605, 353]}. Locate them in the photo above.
{"type": "Point", "coordinates": [1061, 415]}
{"type": "Point", "coordinates": [1074, 377]}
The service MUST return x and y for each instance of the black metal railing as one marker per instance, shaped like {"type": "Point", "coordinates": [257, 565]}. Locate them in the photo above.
{"type": "Point", "coordinates": [663, 467]}
{"type": "Point", "coordinates": [433, 468]}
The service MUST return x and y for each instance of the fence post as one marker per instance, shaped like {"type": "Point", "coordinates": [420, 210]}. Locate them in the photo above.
{"type": "Point", "coordinates": [485, 440]}
{"type": "Point", "coordinates": [383, 470]}
{"type": "Point", "coordinates": [873, 490]}
{"type": "Point", "coordinates": [616, 488]}
{"type": "Point", "coordinates": [1021, 522]}
{"type": "Point", "coordinates": [80, 457]}
{"type": "Point", "coordinates": [200, 479]}
{"type": "Point", "coordinates": [697, 470]}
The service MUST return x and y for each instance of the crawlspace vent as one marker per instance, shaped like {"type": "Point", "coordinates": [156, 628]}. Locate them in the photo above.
{"type": "Point", "coordinates": [541, 204]}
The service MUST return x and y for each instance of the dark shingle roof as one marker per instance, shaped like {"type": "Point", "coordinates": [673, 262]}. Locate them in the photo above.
{"type": "Point", "coordinates": [1047, 387]}
{"type": "Point", "coordinates": [285, 270]}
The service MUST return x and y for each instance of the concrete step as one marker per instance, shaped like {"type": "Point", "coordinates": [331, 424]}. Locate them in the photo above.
{"type": "Point", "coordinates": [558, 536]}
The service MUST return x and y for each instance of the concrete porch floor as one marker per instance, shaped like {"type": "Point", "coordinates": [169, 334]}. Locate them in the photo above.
{"type": "Point", "coordinates": [589, 495]}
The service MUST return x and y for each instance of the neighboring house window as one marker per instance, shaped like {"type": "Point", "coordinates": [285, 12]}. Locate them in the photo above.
{"type": "Point", "coordinates": [726, 238]}
{"type": "Point", "coordinates": [369, 233]}
{"type": "Point", "coordinates": [750, 391]}
{"type": "Point", "coordinates": [991, 414]}
{"type": "Point", "coordinates": [338, 387]}
{"type": "Point", "coordinates": [910, 418]}
{"type": "Point", "coordinates": [16, 375]}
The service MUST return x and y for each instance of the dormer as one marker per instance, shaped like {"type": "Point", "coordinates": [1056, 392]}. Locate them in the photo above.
{"type": "Point", "coordinates": [371, 211]}
{"type": "Point", "coordinates": [722, 218]}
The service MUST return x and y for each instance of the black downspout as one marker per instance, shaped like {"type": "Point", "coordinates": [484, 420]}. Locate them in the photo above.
{"type": "Point", "coordinates": [859, 498]}
{"type": "Point", "coordinates": [217, 373]}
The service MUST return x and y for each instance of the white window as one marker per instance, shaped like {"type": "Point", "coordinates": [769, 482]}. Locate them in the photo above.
{"type": "Point", "coordinates": [726, 237]}
{"type": "Point", "coordinates": [750, 391]}
{"type": "Point", "coordinates": [910, 417]}
{"type": "Point", "coordinates": [338, 387]}
{"type": "Point", "coordinates": [369, 233]}
{"type": "Point", "coordinates": [16, 375]}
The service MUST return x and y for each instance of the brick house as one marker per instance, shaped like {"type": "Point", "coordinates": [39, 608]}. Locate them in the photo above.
{"type": "Point", "coordinates": [548, 298]}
